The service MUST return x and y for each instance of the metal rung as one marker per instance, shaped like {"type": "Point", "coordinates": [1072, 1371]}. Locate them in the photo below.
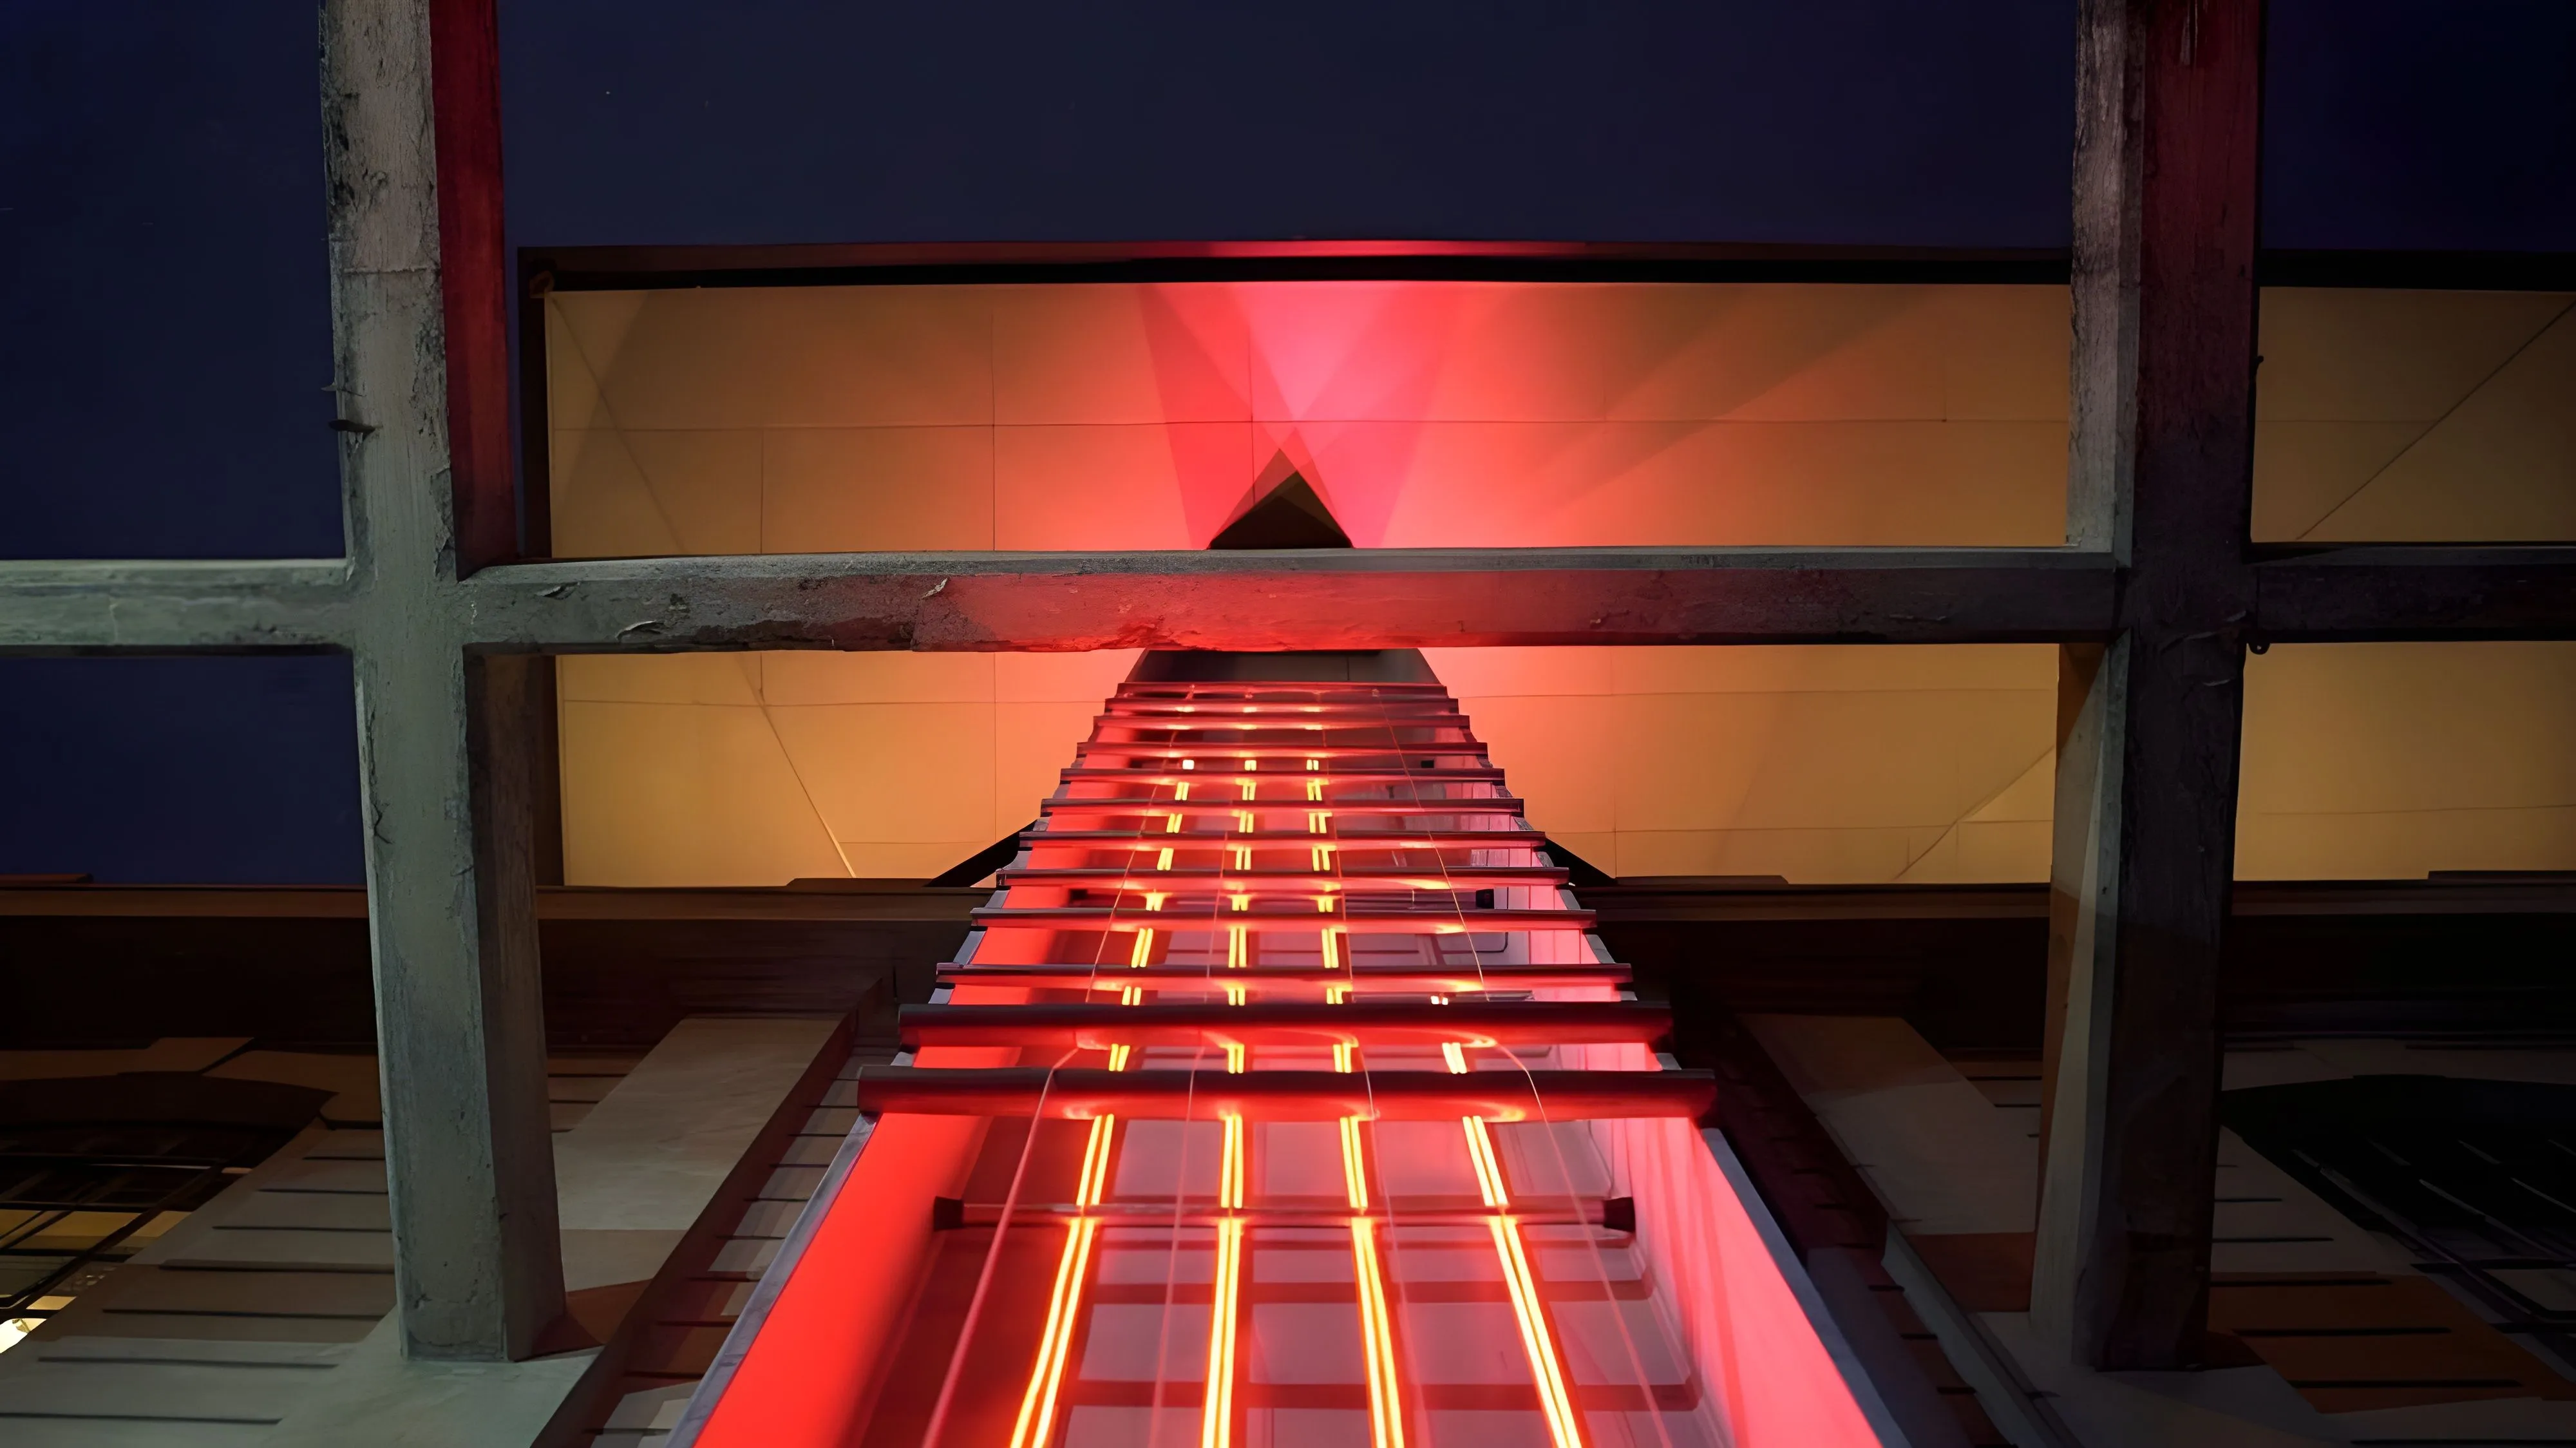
{"type": "Point", "coordinates": [1617, 1214]}
{"type": "Point", "coordinates": [1418, 879]}
{"type": "Point", "coordinates": [1447, 920]}
{"type": "Point", "coordinates": [1286, 1023]}
{"type": "Point", "coordinates": [1391, 840]}
{"type": "Point", "coordinates": [1079, 1094]}
{"type": "Point", "coordinates": [1427, 980]}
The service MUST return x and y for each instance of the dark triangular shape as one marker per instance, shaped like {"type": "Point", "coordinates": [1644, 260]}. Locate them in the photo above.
{"type": "Point", "coordinates": [1288, 516]}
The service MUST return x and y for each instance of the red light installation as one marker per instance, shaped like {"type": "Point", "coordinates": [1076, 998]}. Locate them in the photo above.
{"type": "Point", "coordinates": [1281, 1097]}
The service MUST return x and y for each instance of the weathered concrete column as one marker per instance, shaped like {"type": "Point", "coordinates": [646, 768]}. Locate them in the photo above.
{"type": "Point", "coordinates": [443, 745]}
{"type": "Point", "coordinates": [2161, 464]}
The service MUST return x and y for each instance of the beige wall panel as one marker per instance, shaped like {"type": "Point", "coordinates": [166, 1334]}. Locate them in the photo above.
{"type": "Point", "coordinates": [1389, 351]}
{"type": "Point", "coordinates": [2349, 355]}
{"type": "Point", "coordinates": [1516, 484]}
{"type": "Point", "coordinates": [905, 859]}
{"type": "Point", "coordinates": [676, 794]}
{"type": "Point", "coordinates": [728, 679]}
{"type": "Point", "coordinates": [1776, 761]}
{"type": "Point", "coordinates": [1474, 674]}
{"type": "Point", "coordinates": [2384, 761]}
{"type": "Point", "coordinates": [2403, 846]}
{"type": "Point", "coordinates": [2335, 728]}
{"type": "Point", "coordinates": [1119, 354]}
{"type": "Point", "coordinates": [2004, 352]}
{"type": "Point", "coordinates": [796, 357]}
{"type": "Point", "coordinates": [1854, 667]}
{"type": "Point", "coordinates": [1088, 678]}
{"type": "Point", "coordinates": [1113, 486]}
{"type": "Point", "coordinates": [796, 677]}
{"type": "Point", "coordinates": [623, 494]}
{"type": "Point", "coordinates": [1599, 848]}
{"type": "Point", "coordinates": [876, 489]}
{"type": "Point", "coordinates": [572, 389]}
{"type": "Point", "coordinates": [1032, 746]}
{"type": "Point", "coordinates": [1825, 857]}
{"type": "Point", "coordinates": [1984, 851]}
{"type": "Point", "coordinates": [894, 772]}
{"type": "Point", "coordinates": [2304, 471]}
{"type": "Point", "coordinates": [1552, 750]}
{"type": "Point", "coordinates": [2416, 416]}
{"type": "Point", "coordinates": [2502, 465]}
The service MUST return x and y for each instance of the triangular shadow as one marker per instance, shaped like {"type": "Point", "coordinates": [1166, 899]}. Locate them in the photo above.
{"type": "Point", "coordinates": [1285, 512]}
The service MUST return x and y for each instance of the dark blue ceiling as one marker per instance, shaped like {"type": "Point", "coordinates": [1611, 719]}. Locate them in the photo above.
{"type": "Point", "coordinates": [164, 300]}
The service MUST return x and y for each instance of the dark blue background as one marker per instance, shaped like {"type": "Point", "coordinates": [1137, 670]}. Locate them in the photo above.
{"type": "Point", "coordinates": [164, 301]}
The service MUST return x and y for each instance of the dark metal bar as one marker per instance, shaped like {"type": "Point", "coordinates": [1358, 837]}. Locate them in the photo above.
{"type": "Point", "coordinates": [1361, 1022]}
{"type": "Point", "coordinates": [1079, 1094]}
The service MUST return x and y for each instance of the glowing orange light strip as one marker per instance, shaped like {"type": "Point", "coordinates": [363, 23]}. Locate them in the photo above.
{"type": "Point", "coordinates": [1561, 1422]}
{"type": "Point", "coordinates": [1489, 1172]}
{"type": "Point", "coordinates": [1216, 1423]}
{"type": "Point", "coordinates": [1377, 1340]}
{"type": "Point", "coordinates": [1562, 1425]}
{"type": "Point", "coordinates": [1037, 1406]}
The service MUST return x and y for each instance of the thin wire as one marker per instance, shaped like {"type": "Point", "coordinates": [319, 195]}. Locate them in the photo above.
{"type": "Point", "coordinates": [1010, 1209]}
{"type": "Point", "coordinates": [1565, 1171]}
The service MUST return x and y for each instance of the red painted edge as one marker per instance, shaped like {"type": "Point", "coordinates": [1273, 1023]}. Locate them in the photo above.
{"type": "Point", "coordinates": [474, 284]}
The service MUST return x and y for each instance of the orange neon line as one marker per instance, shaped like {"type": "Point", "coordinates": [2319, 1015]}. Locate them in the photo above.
{"type": "Point", "coordinates": [1046, 1377]}
{"type": "Point", "coordinates": [1489, 1171]}
{"type": "Point", "coordinates": [1095, 1156]}
{"type": "Point", "coordinates": [1535, 1340]}
{"type": "Point", "coordinates": [1377, 1339]}
{"type": "Point", "coordinates": [1216, 1424]}
{"type": "Point", "coordinates": [1456, 1058]}
{"type": "Point", "coordinates": [1354, 1167]}
{"type": "Point", "coordinates": [1229, 1180]}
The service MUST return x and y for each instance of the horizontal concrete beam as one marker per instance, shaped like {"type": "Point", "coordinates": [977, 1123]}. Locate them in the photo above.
{"type": "Point", "coordinates": [2417, 591]}
{"type": "Point", "coordinates": [174, 605]}
{"type": "Point", "coordinates": [1320, 599]}
{"type": "Point", "coordinates": [1364, 598]}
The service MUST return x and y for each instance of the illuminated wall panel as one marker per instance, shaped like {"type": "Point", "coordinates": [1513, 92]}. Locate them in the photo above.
{"type": "Point", "coordinates": [1113, 416]}
{"type": "Point", "coordinates": [2389, 416]}
{"type": "Point", "coordinates": [2384, 761]}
